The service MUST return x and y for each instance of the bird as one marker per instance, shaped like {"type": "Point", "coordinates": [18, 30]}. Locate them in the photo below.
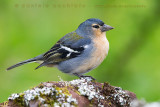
{"type": "Point", "coordinates": [78, 52]}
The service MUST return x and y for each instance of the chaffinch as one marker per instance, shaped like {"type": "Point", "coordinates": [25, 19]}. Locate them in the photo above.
{"type": "Point", "coordinates": [77, 52]}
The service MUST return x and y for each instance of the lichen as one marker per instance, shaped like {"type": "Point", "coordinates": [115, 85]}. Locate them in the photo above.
{"type": "Point", "coordinates": [42, 95]}
{"type": "Point", "coordinates": [121, 97]}
{"type": "Point", "coordinates": [13, 96]}
{"type": "Point", "coordinates": [59, 94]}
{"type": "Point", "coordinates": [86, 88]}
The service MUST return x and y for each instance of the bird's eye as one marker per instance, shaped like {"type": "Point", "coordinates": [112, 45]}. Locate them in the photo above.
{"type": "Point", "coordinates": [95, 26]}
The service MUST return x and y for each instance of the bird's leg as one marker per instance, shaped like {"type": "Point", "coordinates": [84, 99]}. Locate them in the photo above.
{"type": "Point", "coordinates": [78, 75]}
{"type": "Point", "coordinates": [83, 76]}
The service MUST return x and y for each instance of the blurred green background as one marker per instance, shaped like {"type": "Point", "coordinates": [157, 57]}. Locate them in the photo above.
{"type": "Point", "coordinates": [31, 27]}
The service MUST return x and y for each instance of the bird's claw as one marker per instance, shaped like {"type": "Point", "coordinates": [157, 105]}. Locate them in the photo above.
{"type": "Point", "coordinates": [83, 76]}
{"type": "Point", "coordinates": [86, 77]}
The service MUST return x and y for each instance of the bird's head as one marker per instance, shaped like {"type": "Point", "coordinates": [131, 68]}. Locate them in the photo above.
{"type": "Point", "coordinates": [93, 27]}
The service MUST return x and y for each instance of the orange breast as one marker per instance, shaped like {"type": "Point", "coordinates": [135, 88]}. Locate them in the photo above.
{"type": "Point", "coordinates": [101, 46]}
{"type": "Point", "coordinates": [101, 49]}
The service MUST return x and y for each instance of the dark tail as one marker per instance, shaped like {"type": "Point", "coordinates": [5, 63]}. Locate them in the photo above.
{"type": "Point", "coordinates": [38, 58]}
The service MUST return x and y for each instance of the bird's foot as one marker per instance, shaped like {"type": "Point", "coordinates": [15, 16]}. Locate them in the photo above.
{"type": "Point", "coordinates": [84, 76]}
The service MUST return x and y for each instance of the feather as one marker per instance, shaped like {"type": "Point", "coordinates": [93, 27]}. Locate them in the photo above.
{"type": "Point", "coordinates": [70, 46]}
{"type": "Point", "coordinates": [26, 61]}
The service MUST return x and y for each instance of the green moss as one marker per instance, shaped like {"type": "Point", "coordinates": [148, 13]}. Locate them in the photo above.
{"type": "Point", "coordinates": [5, 104]}
{"type": "Point", "coordinates": [20, 100]}
{"type": "Point", "coordinates": [41, 85]}
{"type": "Point", "coordinates": [64, 90]}
{"type": "Point", "coordinates": [50, 99]}
{"type": "Point", "coordinates": [77, 92]}
{"type": "Point", "coordinates": [106, 83]}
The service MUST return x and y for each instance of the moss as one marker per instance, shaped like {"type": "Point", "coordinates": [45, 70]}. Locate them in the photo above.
{"type": "Point", "coordinates": [77, 92]}
{"type": "Point", "coordinates": [4, 104]}
{"type": "Point", "coordinates": [92, 101]}
{"type": "Point", "coordinates": [91, 105]}
{"type": "Point", "coordinates": [65, 91]}
{"type": "Point", "coordinates": [41, 85]}
{"type": "Point", "coordinates": [50, 101]}
{"type": "Point", "coordinates": [106, 83]}
{"type": "Point", "coordinates": [20, 100]}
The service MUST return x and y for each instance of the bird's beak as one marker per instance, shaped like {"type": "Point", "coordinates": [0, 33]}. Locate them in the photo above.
{"type": "Point", "coordinates": [106, 28]}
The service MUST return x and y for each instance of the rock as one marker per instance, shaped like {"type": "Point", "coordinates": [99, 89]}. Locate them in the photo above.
{"type": "Point", "coordinates": [80, 92]}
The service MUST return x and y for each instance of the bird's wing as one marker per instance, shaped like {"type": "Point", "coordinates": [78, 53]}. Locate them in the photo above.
{"type": "Point", "coordinates": [70, 46]}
